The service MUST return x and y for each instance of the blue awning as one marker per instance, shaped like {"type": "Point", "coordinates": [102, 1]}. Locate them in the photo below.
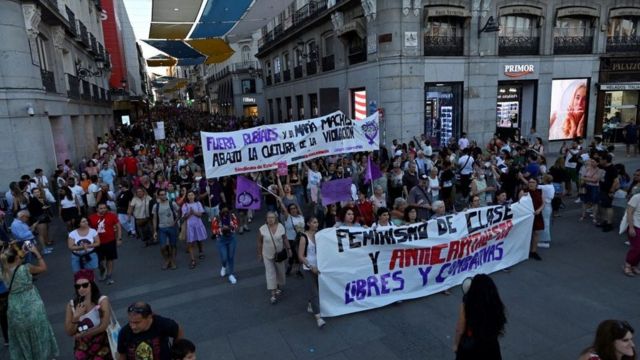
{"type": "Point", "coordinates": [175, 48]}
{"type": "Point", "coordinates": [219, 17]}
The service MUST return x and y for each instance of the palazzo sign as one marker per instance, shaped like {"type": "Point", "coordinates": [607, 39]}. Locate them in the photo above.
{"type": "Point", "coordinates": [263, 147]}
{"type": "Point", "coordinates": [366, 268]}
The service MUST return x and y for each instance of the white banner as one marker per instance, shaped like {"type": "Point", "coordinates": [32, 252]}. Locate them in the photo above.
{"type": "Point", "coordinates": [158, 130]}
{"type": "Point", "coordinates": [362, 269]}
{"type": "Point", "coordinates": [263, 147]}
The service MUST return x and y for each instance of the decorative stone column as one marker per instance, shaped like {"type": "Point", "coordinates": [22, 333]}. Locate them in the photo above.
{"type": "Point", "coordinates": [32, 18]}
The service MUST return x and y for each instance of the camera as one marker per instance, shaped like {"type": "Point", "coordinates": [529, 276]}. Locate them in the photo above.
{"type": "Point", "coordinates": [28, 244]}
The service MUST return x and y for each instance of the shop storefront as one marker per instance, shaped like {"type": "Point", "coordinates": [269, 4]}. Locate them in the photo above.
{"type": "Point", "coordinates": [442, 112]}
{"type": "Point", "coordinates": [618, 91]}
{"type": "Point", "coordinates": [515, 106]}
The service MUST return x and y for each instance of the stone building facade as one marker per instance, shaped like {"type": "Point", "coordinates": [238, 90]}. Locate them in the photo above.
{"type": "Point", "coordinates": [443, 67]}
{"type": "Point", "coordinates": [54, 99]}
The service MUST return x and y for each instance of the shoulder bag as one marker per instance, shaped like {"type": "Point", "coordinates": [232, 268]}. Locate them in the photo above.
{"type": "Point", "coordinates": [280, 255]}
{"type": "Point", "coordinates": [113, 330]}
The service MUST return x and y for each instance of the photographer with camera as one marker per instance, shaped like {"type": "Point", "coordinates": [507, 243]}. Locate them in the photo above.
{"type": "Point", "coordinates": [30, 335]}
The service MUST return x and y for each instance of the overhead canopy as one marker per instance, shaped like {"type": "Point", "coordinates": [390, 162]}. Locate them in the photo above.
{"type": "Point", "coordinates": [203, 23]}
{"type": "Point", "coordinates": [194, 52]}
{"type": "Point", "coordinates": [216, 50]}
{"type": "Point", "coordinates": [238, 19]}
{"type": "Point", "coordinates": [628, 11]}
{"type": "Point", "coordinates": [161, 60]}
{"type": "Point", "coordinates": [521, 10]}
{"type": "Point", "coordinates": [170, 18]}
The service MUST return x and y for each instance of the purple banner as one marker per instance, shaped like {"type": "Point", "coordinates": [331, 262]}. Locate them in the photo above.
{"type": "Point", "coordinates": [247, 194]}
{"type": "Point", "coordinates": [336, 190]}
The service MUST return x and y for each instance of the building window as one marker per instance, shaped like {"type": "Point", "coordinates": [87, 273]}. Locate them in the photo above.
{"type": "Point", "coordinates": [313, 104]}
{"type": "Point", "coordinates": [328, 60]}
{"type": "Point", "coordinates": [268, 67]}
{"type": "Point", "coordinates": [248, 86]}
{"type": "Point", "coordinates": [300, 103]}
{"type": "Point", "coordinates": [519, 35]}
{"type": "Point", "coordinates": [270, 101]}
{"type": "Point", "coordinates": [277, 69]}
{"type": "Point", "coordinates": [286, 73]}
{"type": "Point", "coordinates": [43, 58]}
{"type": "Point", "coordinates": [442, 112]}
{"type": "Point", "coordinates": [623, 34]}
{"type": "Point", "coordinates": [289, 104]}
{"type": "Point", "coordinates": [246, 54]}
{"type": "Point", "coordinates": [357, 49]}
{"type": "Point", "coordinates": [444, 36]}
{"type": "Point", "coordinates": [279, 109]}
{"type": "Point", "coordinates": [573, 35]}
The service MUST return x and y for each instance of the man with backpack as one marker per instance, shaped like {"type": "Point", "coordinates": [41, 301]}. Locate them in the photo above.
{"type": "Point", "coordinates": [165, 215]}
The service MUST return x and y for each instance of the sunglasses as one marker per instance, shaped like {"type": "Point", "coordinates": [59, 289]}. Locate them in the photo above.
{"type": "Point", "coordinates": [83, 285]}
{"type": "Point", "coordinates": [142, 310]}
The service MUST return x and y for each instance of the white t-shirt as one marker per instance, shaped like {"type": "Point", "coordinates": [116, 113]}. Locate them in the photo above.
{"type": "Point", "coordinates": [313, 178]}
{"type": "Point", "coordinates": [91, 194]}
{"type": "Point", "coordinates": [634, 202]}
{"type": "Point", "coordinates": [80, 240]}
{"type": "Point", "coordinates": [570, 154]}
{"type": "Point", "coordinates": [468, 168]}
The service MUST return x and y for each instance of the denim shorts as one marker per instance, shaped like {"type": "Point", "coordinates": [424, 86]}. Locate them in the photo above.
{"type": "Point", "coordinates": [92, 264]}
{"type": "Point", "coordinates": [168, 235]}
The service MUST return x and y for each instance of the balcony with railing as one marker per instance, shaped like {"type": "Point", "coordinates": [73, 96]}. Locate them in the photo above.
{"type": "Point", "coordinates": [301, 17]}
{"type": "Point", "coordinates": [572, 45]}
{"type": "Point", "coordinates": [84, 35]}
{"type": "Point", "coordinates": [286, 75]}
{"type": "Point", "coordinates": [73, 87]}
{"type": "Point", "coordinates": [72, 21]}
{"type": "Point", "coordinates": [328, 63]}
{"type": "Point", "coordinates": [312, 68]}
{"type": "Point", "coordinates": [623, 44]}
{"type": "Point", "coordinates": [96, 92]}
{"type": "Point", "coordinates": [297, 72]}
{"type": "Point", "coordinates": [518, 45]}
{"type": "Point", "coordinates": [86, 90]}
{"type": "Point", "coordinates": [94, 44]}
{"type": "Point", "coordinates": [48, 80]}
{"type": "Point", "coordinates": [443, 45]}
{"type": "Point", "coordinates": [268, 80]}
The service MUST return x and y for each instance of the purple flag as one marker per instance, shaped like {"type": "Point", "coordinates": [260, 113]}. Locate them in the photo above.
{"type": "Point", "coordinates": [336, 190]}
{"type": "Point", "coordinates": [247, 194]}
{"type": "Point", "coordinates": [373, 171]}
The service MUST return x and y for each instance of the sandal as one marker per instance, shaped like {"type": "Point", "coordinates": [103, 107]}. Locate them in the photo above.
{"type": "Point", "coordinates": [278, 292]}
{"type": "Point", "coordinates": [628, 270]}
{"type": "Point", "coordinates": [192, 265]}
{"type": "Point", "coordinates": [273, 299]}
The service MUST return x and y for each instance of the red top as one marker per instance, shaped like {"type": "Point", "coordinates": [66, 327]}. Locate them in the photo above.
{"type": "Point", "coordinates": [189, 149]}
{"type": "Point", "coordinates": [131, 165]}
{"type": "Point", "coordinates": [105, 226]}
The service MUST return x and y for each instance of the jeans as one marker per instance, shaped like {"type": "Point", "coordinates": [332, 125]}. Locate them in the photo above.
{"type": "Point", "coordinates": [127, 222]}
{"type": "Point", "coordinates": [227, 248]}
{"type": "Point", "coordinates": [312, 284]}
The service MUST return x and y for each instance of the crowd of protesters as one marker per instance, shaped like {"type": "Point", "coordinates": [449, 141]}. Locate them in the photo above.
{"type": "Point", "coordinates": [157, 192]}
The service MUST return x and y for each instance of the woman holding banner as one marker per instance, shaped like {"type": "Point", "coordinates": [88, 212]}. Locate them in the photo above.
{"type": "Point", "coordinates": [271, 241]}
{"type": "Point", "coordinates": [293, 225]}
{"type": "Point", "coordinates": [480, 322]}
{"type": "Point", "coordinates": [307, 257]}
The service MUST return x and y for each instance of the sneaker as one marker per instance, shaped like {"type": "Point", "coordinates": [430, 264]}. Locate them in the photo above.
{"type": "Point", "coordinates": [110, 281]}
{"type": "Point", "coordinates": [544, 245]}
{"type": "Point", "coordinates": [578, 201]}
{"type": "Point", "coordinates": [320, 322]}
{"type": "Point", "coordinates": [223, 271]}
{"type": "Point", "coordinates": [534, 256]}
{"type": "Point", "coordinates": [103, 277]}
{"type": "Point", "coordinates": [627, 243]}
{"type": "Point", "coordinates": [246, 228]}
{"type": "Point", "coordinates": [232, 279]}
{"type": "Point", "coordinates": [309, 308]}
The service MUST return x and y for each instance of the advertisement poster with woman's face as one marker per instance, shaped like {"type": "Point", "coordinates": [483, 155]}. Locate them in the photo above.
{"type": "Point", "coordinates": [568, 108]}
